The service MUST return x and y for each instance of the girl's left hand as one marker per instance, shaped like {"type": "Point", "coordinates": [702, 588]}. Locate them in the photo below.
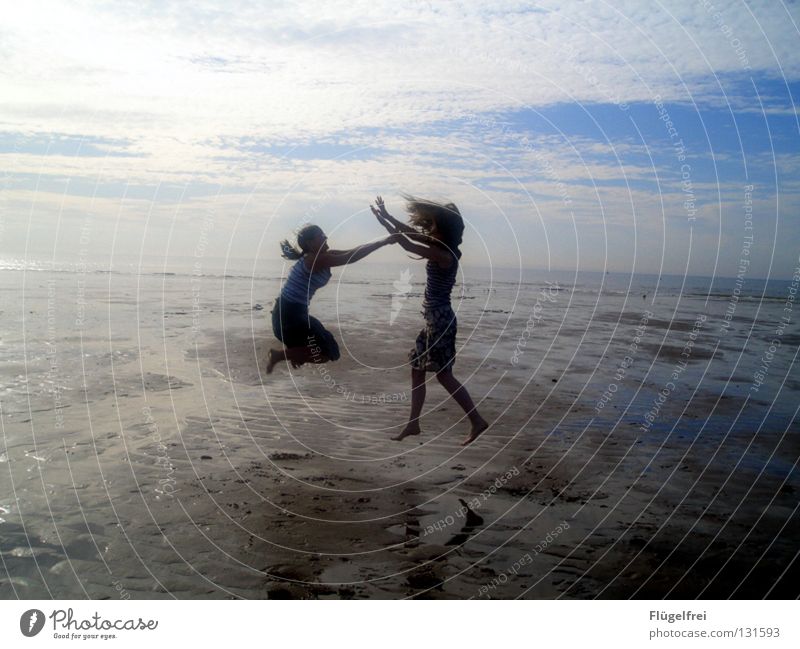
{"type": "Point", "coordinates": [381, 207]}
{"type": "Point", "coordinates": [378, 215]}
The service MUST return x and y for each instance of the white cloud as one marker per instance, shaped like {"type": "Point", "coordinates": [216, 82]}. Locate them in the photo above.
{"type": "Point", "coordinates": [185, 82]}
{"type": "Point", "coordinates": [306, 69]}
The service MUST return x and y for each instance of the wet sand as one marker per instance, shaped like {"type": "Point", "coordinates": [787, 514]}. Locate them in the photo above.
{"type": "Point", "coordinates": [162, 462]}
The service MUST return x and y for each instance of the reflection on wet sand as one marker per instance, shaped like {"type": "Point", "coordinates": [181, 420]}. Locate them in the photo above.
{"type": "Point", "coordinates": [181, 470]}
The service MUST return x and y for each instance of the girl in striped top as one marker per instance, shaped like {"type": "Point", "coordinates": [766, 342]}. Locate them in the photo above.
{"type": "Point", "coordinates": [304, 337]}
{"type": "Point", "coordinates": [435, 234]}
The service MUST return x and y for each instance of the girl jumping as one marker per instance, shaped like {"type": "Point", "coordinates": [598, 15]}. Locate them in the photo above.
{"type": "Point", "coordinates": [436, 235]}
{"type": "Point", "coordinates": [304, 337]}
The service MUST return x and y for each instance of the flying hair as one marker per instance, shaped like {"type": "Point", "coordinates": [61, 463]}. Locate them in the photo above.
{"type": "Point", "coordinates": [427, 215]}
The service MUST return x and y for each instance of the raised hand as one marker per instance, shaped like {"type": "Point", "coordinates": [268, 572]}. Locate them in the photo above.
{"type": "Point", "coordinates": [388, 221]}
{"type": "Point", "coordinates": [381, 219]}
{"type": "Point", "coordinates": [381, 207]}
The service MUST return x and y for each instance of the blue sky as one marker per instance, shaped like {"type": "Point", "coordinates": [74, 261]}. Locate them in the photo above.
{"type": "Point", "coordinates": [144, 124]}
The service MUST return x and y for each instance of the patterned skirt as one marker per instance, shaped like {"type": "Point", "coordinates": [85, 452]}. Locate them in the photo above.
{"type": "Point", "coordinates": [435, 349]}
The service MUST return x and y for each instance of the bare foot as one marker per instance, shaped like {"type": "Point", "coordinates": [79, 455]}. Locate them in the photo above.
{"type": "Point", "coordinates": [477, 429]}
{"type": "Point", "coordinates": [271, 361]}
{"type": "Point", "coordinates": [408, 431]}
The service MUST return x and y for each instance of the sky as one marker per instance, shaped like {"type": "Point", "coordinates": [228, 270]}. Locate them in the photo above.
{"type": "Point", "coordinates": [642, 137]}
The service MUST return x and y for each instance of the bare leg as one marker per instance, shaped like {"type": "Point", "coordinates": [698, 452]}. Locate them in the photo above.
{"type": "Point", "coordinates": [417, 401]}
{"type": "Point", "coordinates": [295, 355]}
{"type": "Point", "coordinates": [274, 357]}
{"type": "Point", "coordinates": [462, 398]}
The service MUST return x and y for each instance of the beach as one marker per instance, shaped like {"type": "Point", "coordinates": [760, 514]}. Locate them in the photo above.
{"type": "Point", "coordinates": [643, 441]}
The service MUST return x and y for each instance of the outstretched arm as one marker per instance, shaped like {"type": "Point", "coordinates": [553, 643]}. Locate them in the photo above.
{"type": "Point", "coordinates": [441, 257]}
{"type": "Point", "coordinates": [387, 218]}
{"type": "Point", "coordinates": [332, 258]}
{"type": "Point", "coordinates": [392, 225]}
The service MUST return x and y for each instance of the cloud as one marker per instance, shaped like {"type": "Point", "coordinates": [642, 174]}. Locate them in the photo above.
{"type": "Point", "coordinates": [268, 108]}
{"type": "Point", "coordinates": [305, 69]}
{"type": "Point", "coordinates": [65, 144]}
